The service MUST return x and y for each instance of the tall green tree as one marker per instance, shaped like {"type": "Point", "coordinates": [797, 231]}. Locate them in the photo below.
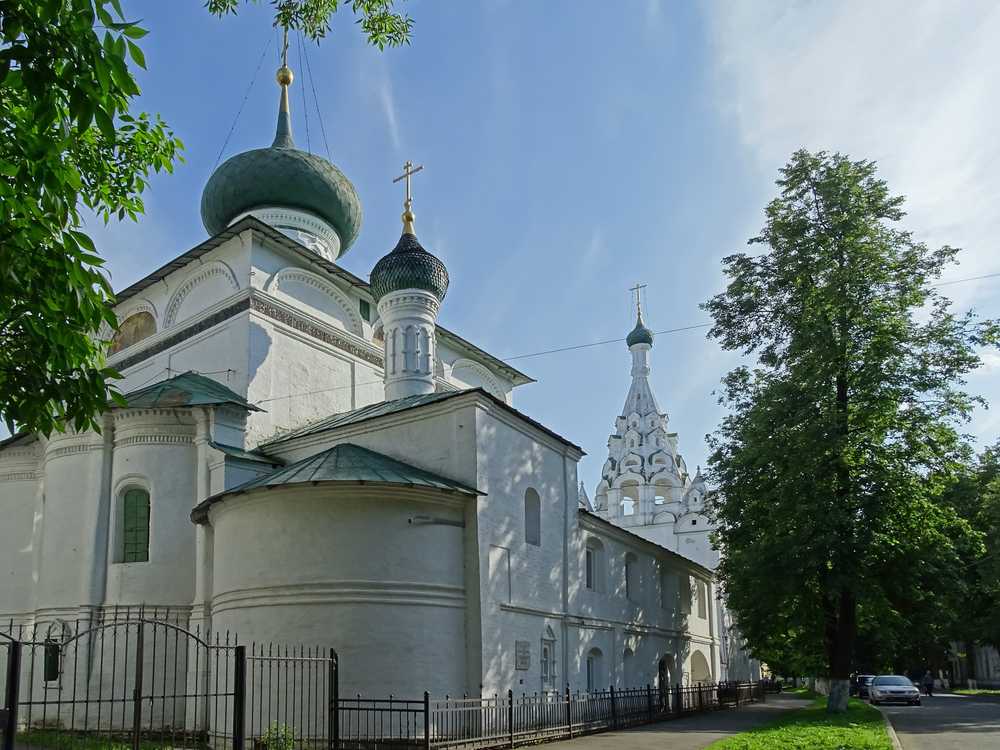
{"type": "Point", "coordinates": [842, 437]}
{"type": "Point", "coordinates": [975, 495]}
{"type": "Point", "coordinates": [69, 143]}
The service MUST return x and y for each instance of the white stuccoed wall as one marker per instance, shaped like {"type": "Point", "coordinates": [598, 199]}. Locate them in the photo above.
{"type": "Point", "coordinates": [345, 568]}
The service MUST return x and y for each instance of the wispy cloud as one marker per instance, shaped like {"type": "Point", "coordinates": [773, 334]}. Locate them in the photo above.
{"type": "Point", "coordinates": [388, 102]}
{"type": "Point", "coordinates": [909, 83]}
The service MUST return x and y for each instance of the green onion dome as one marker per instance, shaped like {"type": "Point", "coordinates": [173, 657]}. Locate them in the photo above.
{"type": "Point", "coordinates": [640, 334]}
{"type": "Point", "coordinates": [409, 266]}
{"type": "Point", "coordinates": [292, 189]}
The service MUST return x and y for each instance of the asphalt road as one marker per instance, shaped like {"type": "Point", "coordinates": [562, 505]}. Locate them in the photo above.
{"type": "Point", "coordinates": [948, 722]}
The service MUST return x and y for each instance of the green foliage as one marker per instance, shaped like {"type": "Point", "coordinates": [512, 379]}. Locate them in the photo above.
{"type": "Point", "coordinates": [861, 727]}
{"type": "Point", "coordinates": [975, 495]}
{"type": "Point", "coordinates": [278, 737]}
{"type": "Point", "coordinates": [382, 27]}
{"type": "Point", "coordinates": [67, 141]}
{"type": "Point", "coordinates": [842, 440]}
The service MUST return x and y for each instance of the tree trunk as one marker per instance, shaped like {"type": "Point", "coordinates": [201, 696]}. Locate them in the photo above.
{"type": "Point", "coordinates": [840, 691]}
{"type": "Point", "coordinates": [840, 645]}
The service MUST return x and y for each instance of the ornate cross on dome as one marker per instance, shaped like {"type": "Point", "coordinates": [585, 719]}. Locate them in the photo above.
{"type": "Point", "coordinates": [637, 290]}
{"type": "Point", "coordinates": [408, 171]}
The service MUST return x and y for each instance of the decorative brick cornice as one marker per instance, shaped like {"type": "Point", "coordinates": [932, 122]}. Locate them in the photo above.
{"type": "Point", "coordinates": [324, 334]}
{"type": "Point", "coordinates": [69, 450]}
{"type": "Point", "coordinates": [163, 439]}
{"type": "Point", "coordinates": [265, 308]}
{"type": "Point", "coordinates": [19, 476]}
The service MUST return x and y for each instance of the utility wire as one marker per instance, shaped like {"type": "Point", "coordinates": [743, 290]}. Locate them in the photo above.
{"type": "Point", "coordinates": [246, 96]}
{"type": "Point", "coordinates": [305, 106]}
{"type": "Point", "coordinates": [970, 278]}
{"type": "Point", "coordinates": [319, 115]}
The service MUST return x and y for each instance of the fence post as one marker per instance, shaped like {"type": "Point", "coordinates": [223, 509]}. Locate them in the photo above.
{"type": "Point", "coordinates": [701, 706]}
{"type": "Point", "coordinates": [614, 709]}
{"type": "Point", "coordinates": [569, 713]}
{"type": "Point", "coordinates": [678, 700]}
{"type": "Point", "coordinates": [333, 704]}
{"type": "Point", "coordinates": [239, 696]}
{"type": "Point", "coordinates": [137, 690]}
{"type": "Point", "coordinates": [9, 727]}
{"type": "Point", "coordinates": [427, 720]}
{"type": "Point", "coordinates": [649, 701]}
{"type": "Point", "coordinates": [510, 717]}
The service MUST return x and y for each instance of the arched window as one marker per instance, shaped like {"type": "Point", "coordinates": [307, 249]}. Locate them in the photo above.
{"type": "Point", "coordinates": [594, 565]}
{"type": "Point", "coordinates": [135, 526]}
{"type": "Point", "coordinates": [548, 665]}
{"type": "Point", "coordinates": [628, 668]}
{"type": "Point", "coordinates": [532, 517]}
{"type": "Point", "coordinates": [702, 600]}
{"type": "Point", "coordinates": [630, 497]}
{"type": "Point", "coordinates": [595, 670]}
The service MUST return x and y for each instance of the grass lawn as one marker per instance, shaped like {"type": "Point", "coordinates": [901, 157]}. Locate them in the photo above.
{"type": "Point", "coordinates": [977, 691]}
{"type": "Point", "coordinates": [812, 728]}
{"type": "Point", "coordinates": [800, 692]}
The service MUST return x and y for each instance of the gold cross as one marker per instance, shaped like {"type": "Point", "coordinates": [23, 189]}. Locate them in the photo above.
{"type": "Point", "coordinates": [637, 289]}
{"type": "Point", "coordinates": [408, 171]}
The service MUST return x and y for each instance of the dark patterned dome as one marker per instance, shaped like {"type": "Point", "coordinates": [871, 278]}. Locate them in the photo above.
{"type": "Point", "coordinates": [640, 334]}
{"type": "Point", "coordinates": [282, 176]}
{"type": "Point", "coordinates": [409, 266]}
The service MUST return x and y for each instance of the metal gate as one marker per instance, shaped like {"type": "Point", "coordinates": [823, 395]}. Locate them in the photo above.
{"type": "Point", "coordinates": [128, 679]}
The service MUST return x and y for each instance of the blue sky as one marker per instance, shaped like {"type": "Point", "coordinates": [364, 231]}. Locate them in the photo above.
{"type": "Point", "coordinates": [573, 147]}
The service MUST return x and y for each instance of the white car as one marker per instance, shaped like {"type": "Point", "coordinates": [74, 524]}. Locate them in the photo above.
{"type": "Point", "coordinates": [893, 688]}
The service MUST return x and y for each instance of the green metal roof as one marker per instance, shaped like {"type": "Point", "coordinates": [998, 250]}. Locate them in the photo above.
{"type": "Point", "coordinates": [187, 389]}
{"type": "Point", "coordinates": [244, 455]}
{"type": "Point", "coordinates": [409, 266]}
{"type": "Point", "coordinates": [379, 409]}
{"type": "Point", "coordinates": [282, 175]}
{"type": "Point", "coordinates": [346, 463]}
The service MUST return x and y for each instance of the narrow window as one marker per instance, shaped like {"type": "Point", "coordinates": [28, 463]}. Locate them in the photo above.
{"type": "Point", "coordinates": [684, 588]}
{"type": "Point", "coordinates": [51, 659]}
{"type": "Point", "coordinates": [532, 517]}
{"type": "Point", "coordinates": [365, 308]}
{"type": "Point", "coordinates": [631, 577]}
{"type": "Point", "coordinates": [702, 600]}
{"type": "Point", "coordinates": [135, 526]}
{"type": "Point", "coordinates": [590, 569]}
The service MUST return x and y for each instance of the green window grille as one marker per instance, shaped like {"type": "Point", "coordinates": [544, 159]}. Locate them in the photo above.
{"type": "Point", "coordinates": [365, 309]}
{"type": "Point", "coordinates": [135, 526]}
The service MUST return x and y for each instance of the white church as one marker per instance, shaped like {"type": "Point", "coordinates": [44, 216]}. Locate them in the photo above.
{"type": "Point", "coordinates": [307, 457]}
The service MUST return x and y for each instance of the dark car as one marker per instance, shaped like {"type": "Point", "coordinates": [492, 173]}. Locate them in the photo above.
{"type": "Point", "coordinates": [864, 683]}
{"type": "Point", "coordinates": [893, 688]}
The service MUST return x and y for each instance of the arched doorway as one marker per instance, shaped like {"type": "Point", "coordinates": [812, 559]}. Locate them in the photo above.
{"type": "Point", "coordinates": [700, 671]}
{"type": "Point", "coordinates": [663, 681]}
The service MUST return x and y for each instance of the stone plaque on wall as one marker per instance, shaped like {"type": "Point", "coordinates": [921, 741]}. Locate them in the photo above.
{"type": "Point", "coordinates": [522, 655]}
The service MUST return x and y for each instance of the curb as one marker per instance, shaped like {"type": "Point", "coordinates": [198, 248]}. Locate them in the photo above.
{"type": "Point", "coordinates": [890, 730]}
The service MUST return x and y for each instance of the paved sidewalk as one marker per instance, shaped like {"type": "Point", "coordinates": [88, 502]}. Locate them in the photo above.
{"type": "Point", "coordinates": [689, 733]}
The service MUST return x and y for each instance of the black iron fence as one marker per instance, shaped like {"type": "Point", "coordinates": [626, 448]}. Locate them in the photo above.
{"type": "Point", "coordinates": [141, 679]}
{"type": "Point", "coordinates": [510, 720]}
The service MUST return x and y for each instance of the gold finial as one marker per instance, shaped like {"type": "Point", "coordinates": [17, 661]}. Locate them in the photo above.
{"type": "Point", "coordinates": [408, 216]}
{"type": "Point", "coordinates": [284, 75]}
{"type": "Point", "coordinates": [637, 290]}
